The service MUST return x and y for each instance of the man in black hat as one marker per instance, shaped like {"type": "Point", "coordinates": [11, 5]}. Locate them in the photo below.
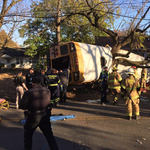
{"type": "Point", "coordinates": [37, 101]}
{"type": "Point", "coordinates": [104, 85]}
{"type": "Point", "coordinates": [29, 77]}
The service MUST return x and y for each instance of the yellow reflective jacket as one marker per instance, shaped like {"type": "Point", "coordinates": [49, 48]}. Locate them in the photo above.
{"type": "Point", "coordinates": [114, 80]}
{"type": "Point", "coordinates": [144, 74]}
{"type": "Point", "coordinates": [127, 85]}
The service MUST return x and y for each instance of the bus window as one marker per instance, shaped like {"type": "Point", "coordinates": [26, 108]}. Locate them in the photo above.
{"type": "Point", "coordinates": [103, 62]}
{"type": "Point", "coordinates": [72, 47]}
{"type": "Point", "coordinates": [64, 50]}
{"type": "Point", "coordinates": [61, 63]}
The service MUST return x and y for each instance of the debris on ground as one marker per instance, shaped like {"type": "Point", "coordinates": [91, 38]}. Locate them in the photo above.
{"type": "Point", "coordinates": [55, 118]}
{"type": "Point", "coordinates": [144, 139]}
{"type": "Point", "coordinates": [93, 101]}
{"type": "Point", "coordinates": [144, 99]}
{"type": "Point", "coordinates": [139, 141]}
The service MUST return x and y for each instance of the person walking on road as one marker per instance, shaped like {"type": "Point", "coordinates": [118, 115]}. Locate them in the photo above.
{"type": "Point", "coordinates": [131, 89]}
{"type": "Point", "coordinates": [114, 84]}
{"type": "Point", "coordinates": [29, 77]}
{"type": "Point", "coordinates": [104, 85]}
{"type": "Point", "coordinates": [37, 101]}
{"type": "Point", "coordinates": [20, 86]}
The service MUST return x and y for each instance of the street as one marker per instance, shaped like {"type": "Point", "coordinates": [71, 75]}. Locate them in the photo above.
{"type": "Point", "coordinates": [95, 127]}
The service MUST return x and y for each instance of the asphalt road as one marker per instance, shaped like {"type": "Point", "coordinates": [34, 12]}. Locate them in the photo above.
{"type": "Point", "coordinates": [95, 127]}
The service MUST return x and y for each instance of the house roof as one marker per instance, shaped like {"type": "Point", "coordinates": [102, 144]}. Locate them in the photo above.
{"type": "Point", "coordinates": [14, 52]}
{"type": "Point", "coordinates": [103, 41]}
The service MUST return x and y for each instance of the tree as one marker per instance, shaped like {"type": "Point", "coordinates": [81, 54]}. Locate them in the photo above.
{"type": "Point", "coordinates": [6, 6]}
{"type": "Point", "coordinates": [97, 20]}
{"type": "Point", "coordinates": [49, 18]}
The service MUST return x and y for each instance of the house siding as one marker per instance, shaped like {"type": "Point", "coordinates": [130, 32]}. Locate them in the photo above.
{"type": "Point", "coordinates": [25, 65]}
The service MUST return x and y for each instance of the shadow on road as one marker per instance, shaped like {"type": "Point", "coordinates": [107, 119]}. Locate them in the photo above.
{"type": "Point", "coordinates": [108, 110]}
{"type": "Point", "coordinates": [12, 139]}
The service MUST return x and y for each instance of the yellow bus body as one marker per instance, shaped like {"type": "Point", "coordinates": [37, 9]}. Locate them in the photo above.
{"type": "Point", "coordinates": [85, 61]}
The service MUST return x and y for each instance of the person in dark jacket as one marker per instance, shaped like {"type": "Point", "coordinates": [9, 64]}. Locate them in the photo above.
{"type": "Point", "coordinates": [37, 101]}
{"type": "Point", "coordinates": [29, 77]}
{"type": "Point", "coordinates": [63, 75]}
{"type": "Point", "coordinates": [43, 78]}
{"type": "Point", "coordinates": [104, 85]}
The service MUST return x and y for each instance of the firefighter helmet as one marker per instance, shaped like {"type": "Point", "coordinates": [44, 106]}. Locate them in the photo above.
{"type": "Point", "coordinates": [134, 67]}
{"type": "Point", "coordinates": [130, 71]}
{"type": "Point", "coordinates": [114, 68]}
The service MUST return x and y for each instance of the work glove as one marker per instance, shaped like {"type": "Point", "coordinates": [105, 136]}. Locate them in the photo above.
{"type": "Point", "coordinates": [61, 88]}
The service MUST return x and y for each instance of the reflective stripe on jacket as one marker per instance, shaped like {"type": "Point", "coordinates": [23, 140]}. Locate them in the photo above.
{"type": "Point", "coordinates": [54, 80]}
{"type": "Point", "coordinates": [114, 80]}
{"type": "Point", "coordinates": [127, 86]}
{"type": "Point", "coordinates": [144, 74]}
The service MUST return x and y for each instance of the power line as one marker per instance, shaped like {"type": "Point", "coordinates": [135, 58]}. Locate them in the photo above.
{"type": "Point", "coordinates": [52, 15]}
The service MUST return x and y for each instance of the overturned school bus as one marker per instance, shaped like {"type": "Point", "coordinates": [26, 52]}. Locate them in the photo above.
{"type": "Point", "coordinates": [85, 61]}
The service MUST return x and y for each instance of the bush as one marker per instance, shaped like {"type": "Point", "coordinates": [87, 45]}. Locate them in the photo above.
{"type": "Point", "coordinates": [2, 65]}
{"type": "Point", "coordinates": [13, 65]}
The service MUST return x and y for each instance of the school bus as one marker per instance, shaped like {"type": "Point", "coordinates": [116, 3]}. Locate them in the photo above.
{"type": "Point", "coordinates": [85, 61]}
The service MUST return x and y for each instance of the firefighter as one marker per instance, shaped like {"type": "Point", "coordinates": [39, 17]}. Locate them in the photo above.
{"type": "Point", "coordinates": [54, 83]}
{"type": "Point", "coordinates": [131, 89]}
{"type": "Point", "coordinates": [63, 75]}
{"type": "Point", "coordinates": [143, 78]}
{"type": "Point", "coordinates": [104, 85]}
{"type": "Point", "coordinates": [114, 84]}
{"type": "Point", "coordinates": [136, 75]}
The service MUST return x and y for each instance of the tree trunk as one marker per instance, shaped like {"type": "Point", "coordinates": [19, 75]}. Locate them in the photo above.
{"type": "Point", "coordinates": [1, 21]}
{"type": "Point", "coordinates": [58, 22]}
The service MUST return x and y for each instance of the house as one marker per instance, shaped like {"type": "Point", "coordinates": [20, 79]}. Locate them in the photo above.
{"type": "Point", "coordinates": [16, 56]}
{"type": "Point", "coordinates": [103, 41]}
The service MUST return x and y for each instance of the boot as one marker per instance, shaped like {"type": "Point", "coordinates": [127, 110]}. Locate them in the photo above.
{"type": "Point", "coordinates": [129, 118]}
{"type": "Point", "coordinates": [137, 117]}
{"type": "Point", "coordinates": [115, 103]}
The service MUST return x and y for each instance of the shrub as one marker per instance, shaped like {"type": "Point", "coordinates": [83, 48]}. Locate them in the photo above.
{"type": "Point", "coordinates": [13, 65]}
{"type": "Point", "coordinates": [2, 65]}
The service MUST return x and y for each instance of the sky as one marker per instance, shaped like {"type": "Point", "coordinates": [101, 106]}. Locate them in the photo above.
{"type": "Point", "coordinates": [127, 10]}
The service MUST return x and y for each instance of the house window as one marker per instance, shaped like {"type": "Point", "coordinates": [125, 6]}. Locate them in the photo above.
{"type": "Point", "coordinates": [8, 60]}
{"type": "Point", "coordinates": [103, 61]}
{"type": "Point", "coordinates": [33, 60]}
{"type": "Point", "coordinates": [19, 61]}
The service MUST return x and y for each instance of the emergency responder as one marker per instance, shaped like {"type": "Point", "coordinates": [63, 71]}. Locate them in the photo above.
{"type": "Point", "coordinates": [143, 78]}
{"type": "Point", "coordinates": [114, 84]}
{"type": "Point", "coordinates": [43, 78]}
{"type": "Point", "coordinates": [37, 101]}
{"type": "Point", "coordinates": [131, 90]}
{"type": "Point", "coordinates": [63, 75]}
{"type": "Point", "coordinates": [136, 75]}
{"type": "Point", "coordinates": [29, 77]}
{"type": "Point", "coordinates": [104, 85]}
{"type": "Point", "coordinates": [54, 83]}
{"type": "Point", "coordinates": [20, 86]}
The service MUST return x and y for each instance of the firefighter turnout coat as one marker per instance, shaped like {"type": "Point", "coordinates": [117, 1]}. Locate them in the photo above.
{"type": "Point", "coordinates": [143, 78]}
{"type": "Point", "coordinates": [114, 84]}
{"type": "Point", "coordinates": [131, 90]}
